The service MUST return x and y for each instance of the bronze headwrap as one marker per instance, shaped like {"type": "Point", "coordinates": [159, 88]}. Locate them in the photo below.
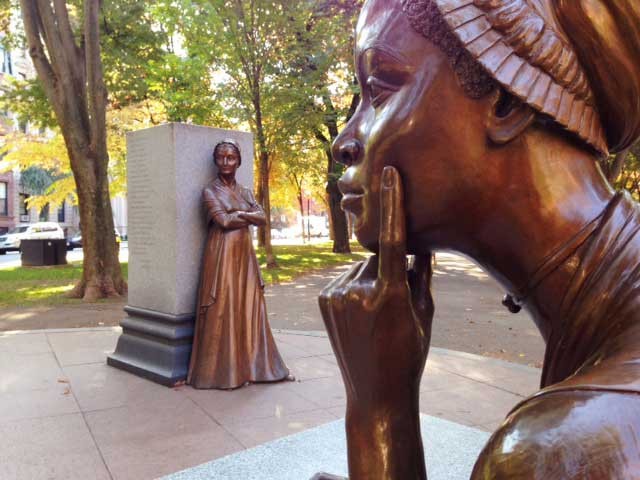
{"type": "Point", "coordinates": [523, 44]}
{"type": "Point", "coordinates": [606, 37]}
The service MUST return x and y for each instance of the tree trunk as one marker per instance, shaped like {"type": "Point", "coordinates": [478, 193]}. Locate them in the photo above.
{"type": "Point", "coordinates": [259, 198]}
{"type": "Point", "coordinates": [263, 169]}
{"type": "Point", "coordinates": [309, 220]}
{"type": "Point", "coordinates": [338, 217]}
{"type": "Point", "coordinates": [330, 218]}
{"type": "Point", "coordinates": [266, 205]}
{"type": "Point", "coordinates": [615, 168]}
{"type": "Point", "coordinates": [301, 205]}
{"type": "Point", "coordinates": [73, 81]}
{"type": "Point", "coordinates": [101, 273]}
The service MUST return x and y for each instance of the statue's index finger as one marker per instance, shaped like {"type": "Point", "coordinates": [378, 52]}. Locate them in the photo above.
{"type": "Point", "coordinates": [392, 241]}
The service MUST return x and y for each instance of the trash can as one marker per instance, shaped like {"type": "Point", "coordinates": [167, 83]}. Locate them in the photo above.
{"type": "Point", "coordinates": [37, 253]}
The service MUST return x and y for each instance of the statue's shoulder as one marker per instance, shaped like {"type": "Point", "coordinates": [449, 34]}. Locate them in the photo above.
{"type": "Point", "coordinates": [244, 190]}
{"type": "Point", "coordinates": [212, 188]}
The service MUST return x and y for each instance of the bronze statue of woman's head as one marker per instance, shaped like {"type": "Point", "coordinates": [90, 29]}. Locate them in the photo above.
{"type": "Point", "coordinates": [479, 104]}
{"type": "Point", "coordinates": [227, 157]}
{"type": "Point", "coordinates": [481, 124]}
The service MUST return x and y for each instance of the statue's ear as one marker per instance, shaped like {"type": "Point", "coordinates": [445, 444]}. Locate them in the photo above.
{"type": "Point", "coordinates": [508, 118]}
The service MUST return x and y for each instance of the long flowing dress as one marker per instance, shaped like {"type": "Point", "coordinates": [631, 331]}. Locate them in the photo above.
{"type": "Point", "coordinates": [232, 343]}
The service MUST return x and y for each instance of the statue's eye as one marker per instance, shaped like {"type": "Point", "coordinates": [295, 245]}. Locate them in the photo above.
{"type": "Point", "coordinates": [379, 91]}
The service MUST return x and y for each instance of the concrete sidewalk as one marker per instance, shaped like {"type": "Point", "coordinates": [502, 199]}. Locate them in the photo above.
{"type": "Point", "coordinates": [64, 414]}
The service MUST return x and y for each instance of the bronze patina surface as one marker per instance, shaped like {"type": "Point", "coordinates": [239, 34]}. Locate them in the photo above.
{"type": "Point", "coordinates": [232, 343]}
{"type": "Point", "coordinates": [479, 130]}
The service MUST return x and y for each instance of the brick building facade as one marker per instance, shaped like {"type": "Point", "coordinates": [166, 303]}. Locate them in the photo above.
{"type": "Point", "coordinates": [13, 209]}
{"type": "Point", "coordinates": [8, 204]}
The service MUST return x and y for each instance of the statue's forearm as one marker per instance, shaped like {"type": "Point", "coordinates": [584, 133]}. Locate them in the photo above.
{"type": "Point", "coordinates": [229, 221]}
{"type": "Point", "coordinates": [384, 441]}
{"type": "Point", "coordinates": [255, 217]}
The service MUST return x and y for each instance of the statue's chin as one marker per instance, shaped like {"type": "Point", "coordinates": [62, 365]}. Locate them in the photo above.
{"type": "Point", "coordinates": [367, 239]}
{"type": "Point", "coordinates": [418, 247]}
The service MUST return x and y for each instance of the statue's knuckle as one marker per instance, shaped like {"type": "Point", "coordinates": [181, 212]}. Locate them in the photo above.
{"type": "Point", "coordinates": [370, 305]}
{"type": "Point", "coordinates": [354, 296]}
{"type": "Point", "coordinates": [342, 294]}
{"type": "Point", "coordinates": [389, 289]}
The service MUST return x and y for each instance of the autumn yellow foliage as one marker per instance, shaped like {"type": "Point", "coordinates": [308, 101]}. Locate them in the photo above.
{"type": "Point", "coordinates": [48, 152]}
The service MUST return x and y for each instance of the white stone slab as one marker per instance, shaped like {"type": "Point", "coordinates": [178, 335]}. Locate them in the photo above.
{"type": "Point", "coordinates": [167, 168]}
{"type": "Point", "coordinates": [450, 451]}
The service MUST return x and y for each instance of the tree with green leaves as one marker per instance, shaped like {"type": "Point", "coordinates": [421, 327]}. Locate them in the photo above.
{"type": "Point", "coordinates": [147, 83]}
{"type": "Point", "coordinates": [134, 50]}
{"type": "Point", "coordinates": [272, 66]}
{"type": "Point", "coordinates": [245, 43]}
{"type": "Point", "coordinates": [325, 95]}
{"type": "Point", "coordinates": [299, 173]}
{"type": "Point", "coordinates": [64, 44]}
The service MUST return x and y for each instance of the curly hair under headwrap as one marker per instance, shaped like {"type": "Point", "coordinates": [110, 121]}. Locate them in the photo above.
{"type": "Point", "coordinates": [576, 61]}
{"type": "Point", "coordinates": [426, 19]}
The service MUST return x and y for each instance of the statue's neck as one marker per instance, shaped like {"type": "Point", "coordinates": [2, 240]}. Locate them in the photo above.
{"type": "Point", "coordinates": [228, 180]}
{"type": "Point", "coordinates": [546, 291]}
{"type": "Point", "coordinates": [560, 200]}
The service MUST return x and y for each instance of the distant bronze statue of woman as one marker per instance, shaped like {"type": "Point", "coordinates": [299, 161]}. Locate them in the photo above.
{"type": "Point", "coordinates": [233, 343]}
{"type": "Point", "coordinates": [479, 130]}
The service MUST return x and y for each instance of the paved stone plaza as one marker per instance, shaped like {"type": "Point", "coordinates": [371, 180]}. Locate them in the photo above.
{"type": "Point", "coordinates": [67, 415]}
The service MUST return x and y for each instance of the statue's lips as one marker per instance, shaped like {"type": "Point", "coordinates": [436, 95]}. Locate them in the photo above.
{"type": "Point", "coordinates": [352, 202]}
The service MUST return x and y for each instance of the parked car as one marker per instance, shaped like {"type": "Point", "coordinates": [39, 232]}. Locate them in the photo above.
{"type": "Point", "coordinates": [36, 231]}
{"type": "Point", "coordinates": [76, 240]}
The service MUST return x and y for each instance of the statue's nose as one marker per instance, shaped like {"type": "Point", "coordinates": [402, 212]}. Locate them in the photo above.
{"type": "Point", "coordinates": [348, 152]}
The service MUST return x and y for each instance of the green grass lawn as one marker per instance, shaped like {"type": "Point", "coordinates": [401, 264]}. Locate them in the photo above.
{"type": "Point", "coordinates": [40, 286]}
{"type": "Point", "coordinates": [45, 286]}
{"type": "Point", "coordinates": [295, 260]}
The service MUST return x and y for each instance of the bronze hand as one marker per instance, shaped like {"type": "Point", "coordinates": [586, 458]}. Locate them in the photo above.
{"type": "Point", "coordinates": [378, 316]}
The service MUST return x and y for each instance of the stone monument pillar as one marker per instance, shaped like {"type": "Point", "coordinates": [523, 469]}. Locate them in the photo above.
{"type": "Point", "coordinates": [167, 168]}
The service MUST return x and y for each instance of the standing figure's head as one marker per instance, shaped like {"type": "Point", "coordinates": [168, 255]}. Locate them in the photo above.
{"type": "Point", "coordinates": [460, 95]}
{"type": "Point", "coordinates": [226, 156]}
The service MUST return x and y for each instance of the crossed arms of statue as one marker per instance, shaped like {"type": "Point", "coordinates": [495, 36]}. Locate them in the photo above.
{"type": "Point", "coordinates": [230, 220]}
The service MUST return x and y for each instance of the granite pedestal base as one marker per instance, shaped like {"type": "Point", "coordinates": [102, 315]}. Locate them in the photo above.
{"type": "Point", "coordinates": [167, 168]}
{"type": "Point", "coordinates": [154, 345]}
{"type": "Point", "coordinates": [450, 452]}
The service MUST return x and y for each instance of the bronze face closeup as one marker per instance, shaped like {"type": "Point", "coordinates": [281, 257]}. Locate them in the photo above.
{"type": "Point", "coordinates": [415, 116]}
{"type": "Point", "coordinates": [227, 159]}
